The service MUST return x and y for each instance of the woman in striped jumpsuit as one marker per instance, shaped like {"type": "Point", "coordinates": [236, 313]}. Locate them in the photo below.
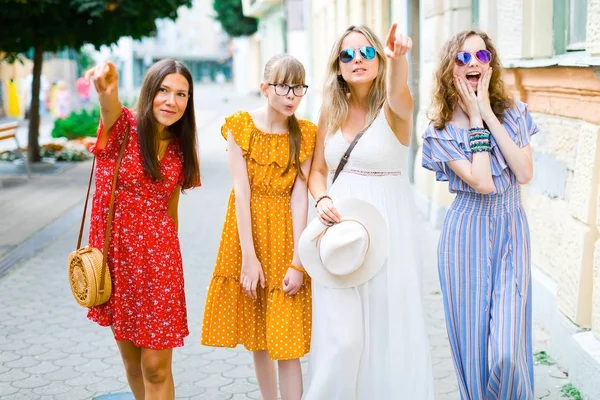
{"type": "Point", "coordinates": [478, 141]}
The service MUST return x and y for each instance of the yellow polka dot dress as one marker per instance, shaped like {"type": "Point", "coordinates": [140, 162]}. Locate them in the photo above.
{"type": "Point", "coordinates": [275, 321]}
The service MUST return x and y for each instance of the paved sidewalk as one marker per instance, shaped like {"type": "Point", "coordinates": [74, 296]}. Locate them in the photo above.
{"type": "Point", "coordinates": [49, 350]}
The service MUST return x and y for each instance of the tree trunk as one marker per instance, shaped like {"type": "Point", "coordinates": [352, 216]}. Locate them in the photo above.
{"type": "Point", "coordinates": [33, 147]}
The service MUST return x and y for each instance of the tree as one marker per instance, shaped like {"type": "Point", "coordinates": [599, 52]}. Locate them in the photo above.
{"type": "Point", "coordinates": [52, 25]}
{"type": "Point", "coordinates": [232, 18]}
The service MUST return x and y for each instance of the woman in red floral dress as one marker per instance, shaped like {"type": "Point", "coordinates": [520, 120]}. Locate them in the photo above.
{"type": "Point", "coordinates": [147, 310]}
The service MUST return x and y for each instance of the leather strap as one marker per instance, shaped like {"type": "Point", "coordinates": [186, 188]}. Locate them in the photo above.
{"type": "Point", "coordinates": [346, 155]}
{"type": "Point", "coordinates": [110, 210]}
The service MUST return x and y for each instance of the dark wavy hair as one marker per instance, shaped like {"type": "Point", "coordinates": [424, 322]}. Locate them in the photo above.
{"type": "Point", "coordinates": [445, 95]}
{"type": "Point", "coordinates": [184, 130]}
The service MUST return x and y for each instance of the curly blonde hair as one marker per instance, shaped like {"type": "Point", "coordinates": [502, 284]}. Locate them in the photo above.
{"type": "Point", "coordinates": [445, 96]}
{"type": "Point", "coordinates": [336, 90]}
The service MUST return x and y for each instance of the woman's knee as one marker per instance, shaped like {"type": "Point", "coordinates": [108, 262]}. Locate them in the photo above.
{"type": "Point", "coordinates": [156, 368]}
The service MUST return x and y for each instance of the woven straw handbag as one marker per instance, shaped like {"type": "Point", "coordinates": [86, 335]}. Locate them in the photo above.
{"type": "Point", "coordinates": [88, 272]}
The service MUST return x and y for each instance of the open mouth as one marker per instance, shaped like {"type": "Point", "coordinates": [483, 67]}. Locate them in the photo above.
{"type": "Point", "coordinates": [473, 77]}
{"type": "Point", "coordinates": [360, 70]}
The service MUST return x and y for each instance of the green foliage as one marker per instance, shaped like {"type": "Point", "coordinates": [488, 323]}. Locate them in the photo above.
{"type": "Point", "coordinates": [571, 392]}
{"type": "Point", "coordinates": [55, 24]}
{"type": "Point", "coordinates": [232, 18]}
{"type": "Point", "coordinates": [78, 124]}
{"type": "Point", "coordinates": [541, 357]}
{"type": "Point", "coordinates": [84, 61]}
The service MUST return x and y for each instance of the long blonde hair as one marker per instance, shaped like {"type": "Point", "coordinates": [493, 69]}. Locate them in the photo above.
{"type": "Point", "coordinates": [283, 68]}
{"type": "Point", "coordinates": [336, 90]}
{"type": "Point", "coordinates": [445, 95]}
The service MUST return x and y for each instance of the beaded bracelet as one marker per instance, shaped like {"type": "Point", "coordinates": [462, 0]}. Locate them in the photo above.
{"type": "Point", "coordinates": [479, 140]}
{"type": "Point", "coordinates": [321, 198]}
{"type": "Point", "coordinates": [299, 269]}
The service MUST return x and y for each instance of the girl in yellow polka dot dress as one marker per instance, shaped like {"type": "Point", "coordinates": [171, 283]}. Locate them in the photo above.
{"type": "Point", "coordinates": [259, 295]}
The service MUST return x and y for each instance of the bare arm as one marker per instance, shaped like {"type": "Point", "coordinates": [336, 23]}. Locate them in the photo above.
{"type": "Point", "coordinates": [173, 205]}
{"type": "Point", "coordinates": [399, 104]}
{"type": "Point", "coordinates": [519, 159]}
{"type": "Point", "coordinates": [317, 181]}
{"type": "Point", "coordinates": [478, 174]}
{"type": "Point", "coordinates": [241, 188]}
{"type": "Point", "coordinates": [299, 207]}
{"type": "Point", "coordinates": [252, 272]}
{"type": "Point", "coordinates": [106, 82]}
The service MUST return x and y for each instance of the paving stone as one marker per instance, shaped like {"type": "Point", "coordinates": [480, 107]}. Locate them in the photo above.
{"type": "Point", "coordinates": [107, 386]}
{"type": "Point", "coordinates": [42, 368]}
{"type": "Point", "coordinates": [218, 355]}
{"type": "Point", "coordinates": [214, 380]}
{"type": "Point", "coordinates": [33, 350]}
{"type": "Point", "coordinates": [241, 371]}
{"type": "Point", "coordinates": [188, 389]}
{"type": "Point", "coordinates": [52, 355]}
{"type": "Point", "coordinates": [84, 380]}
{"type": "Point", "coordinates": [239, 386]}
{"type": "Point", "coordinates": [13, 375]}
{"type": "Point", "coordinates": [31, 382]}
{"type": "Point", "coordinates": [62, 374]}
{"type": "Point", "coordinates": [52, 389]}
{"type": "Point", "coordinates": [217, 367]}
{"type": "Point", "coordinates": [7, 389]}
{"type": "Point", "coordinates": [23, 362]}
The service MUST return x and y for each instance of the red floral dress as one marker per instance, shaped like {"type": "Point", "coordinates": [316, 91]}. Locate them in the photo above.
{"type": "Point", "coordinates": [147, 305]}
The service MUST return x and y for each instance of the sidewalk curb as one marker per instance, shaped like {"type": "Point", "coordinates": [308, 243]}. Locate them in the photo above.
{"type": "Point", "coordinates": [42, 238]}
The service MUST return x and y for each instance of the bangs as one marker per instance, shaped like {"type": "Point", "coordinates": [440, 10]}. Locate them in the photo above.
{"type": "Point", "coordinates": [289, 71]}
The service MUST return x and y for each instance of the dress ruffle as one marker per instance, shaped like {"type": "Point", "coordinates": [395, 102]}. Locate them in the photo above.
{"type": "Point", "coordinates": [265, 148]}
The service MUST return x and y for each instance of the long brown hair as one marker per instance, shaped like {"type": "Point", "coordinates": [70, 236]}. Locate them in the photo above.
{"type": "Point", "coordinates": [445, 96]}
{"type": "Point", "coordinates": [335, 88]}
{"type": "Point", "coordinates": [283, 68]}
{"type": "Point", "coordinates": [184, 130]}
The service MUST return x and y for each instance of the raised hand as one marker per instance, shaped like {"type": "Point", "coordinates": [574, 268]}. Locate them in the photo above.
{"type": "Point", "coordinates": [483, 95]}
{"type": "Point", "coordinates": [105, 78]}
{"type": "Point", "coordinates": [396, 44]}
{"type": "Point", "coordinates": [467, 99]}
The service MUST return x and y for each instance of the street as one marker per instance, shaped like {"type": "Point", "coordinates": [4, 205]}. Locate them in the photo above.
{"type": "Point", "coordinates": [49, 350]}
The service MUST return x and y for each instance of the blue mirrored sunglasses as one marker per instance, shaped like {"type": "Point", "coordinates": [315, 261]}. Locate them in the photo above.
{"type": "Point", "coordinates": [366, 52]}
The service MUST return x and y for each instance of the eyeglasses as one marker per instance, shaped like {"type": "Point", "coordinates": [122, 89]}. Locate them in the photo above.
{"type": "Point", "coordinates": [366, 52]}
{"type": "Point", "coordinates": [282, 89]}
{"type": "Point", "coordinates": [464, 57]}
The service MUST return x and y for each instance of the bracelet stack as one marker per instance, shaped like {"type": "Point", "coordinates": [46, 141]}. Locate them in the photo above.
{"type": "Point", "coordinates": [479, 140]}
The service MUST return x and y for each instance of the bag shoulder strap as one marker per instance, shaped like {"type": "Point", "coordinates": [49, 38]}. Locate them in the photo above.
{"type": "Point", "coordinates": [346, 155]}
{"type": "Point", "coordinates": [110, 209]}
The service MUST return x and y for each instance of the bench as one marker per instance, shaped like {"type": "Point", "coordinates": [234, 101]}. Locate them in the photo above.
{"type": "Point", "coordinates": [9, 131]}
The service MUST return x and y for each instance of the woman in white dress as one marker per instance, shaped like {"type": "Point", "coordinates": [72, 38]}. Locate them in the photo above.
{"type": "Point", "coordinates": [387, 357]}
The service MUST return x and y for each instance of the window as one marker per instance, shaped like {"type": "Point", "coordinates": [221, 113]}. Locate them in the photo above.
{"type": "Point", "coordinates": [570, 22]}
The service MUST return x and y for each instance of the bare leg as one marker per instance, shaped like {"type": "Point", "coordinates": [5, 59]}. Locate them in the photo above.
{"type": "Point", "coordinates": [158, 376]}
{"type": "Point", "coordinates": [265, 374]}
{"type": "Point", "coordinates": [132, 360]}
{"type": "Point", "coordinates": [290, 379]}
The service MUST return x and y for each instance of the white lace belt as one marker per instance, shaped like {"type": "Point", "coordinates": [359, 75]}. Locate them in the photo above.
{"type": "Point", "coordinates": [368, 173]}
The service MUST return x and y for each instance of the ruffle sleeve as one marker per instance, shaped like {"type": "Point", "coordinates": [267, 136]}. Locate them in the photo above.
{"type": "Point", "coordinates": [125, 123]}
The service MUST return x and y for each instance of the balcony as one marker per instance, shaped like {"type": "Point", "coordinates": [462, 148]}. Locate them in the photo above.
{"type": "Point", "coordinates": [258, 8]}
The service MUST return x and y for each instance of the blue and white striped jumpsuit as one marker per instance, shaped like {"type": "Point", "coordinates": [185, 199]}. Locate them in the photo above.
{"type": "Point", "coordinates": [484, 267]}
